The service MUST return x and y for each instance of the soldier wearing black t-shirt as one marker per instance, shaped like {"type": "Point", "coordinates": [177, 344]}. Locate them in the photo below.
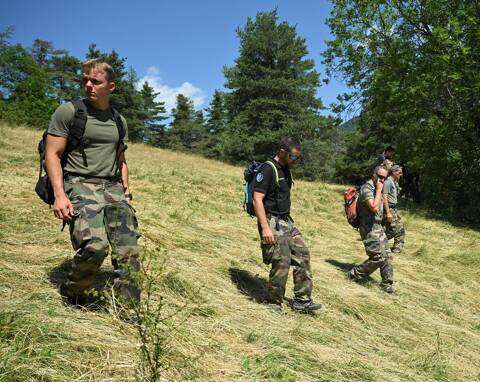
{"type": "Point", "coordinates": [282, 243]}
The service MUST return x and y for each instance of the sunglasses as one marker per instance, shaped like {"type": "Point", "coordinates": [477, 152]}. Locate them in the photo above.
{"type": "Point", "coordinates": [294, 157]}
{"type": "Point", "coordinates": [381, 177]}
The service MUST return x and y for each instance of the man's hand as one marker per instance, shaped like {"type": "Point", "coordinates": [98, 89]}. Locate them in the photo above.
{"type": "Point", "coordinates": [389, 218]}
{"type": "Point", "coordinates": [128, 196]}
{"type": "Point", "coordinates": [63, 208]}
{"type": "Point", "coordinates": [267, 235]}
{"type": "Point", "coordinates": [379, 184]}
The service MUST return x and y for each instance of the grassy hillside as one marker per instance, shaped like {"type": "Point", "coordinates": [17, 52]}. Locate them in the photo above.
{"type": "Point", "coordinates": [190, 212]}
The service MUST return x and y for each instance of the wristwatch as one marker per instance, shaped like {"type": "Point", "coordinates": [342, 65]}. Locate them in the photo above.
{"type": "Point", "coordinates": [129, 196]}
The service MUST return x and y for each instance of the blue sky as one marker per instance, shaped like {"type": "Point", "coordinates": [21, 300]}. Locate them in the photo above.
{"type": "Point", "coordinates": [179, 46]}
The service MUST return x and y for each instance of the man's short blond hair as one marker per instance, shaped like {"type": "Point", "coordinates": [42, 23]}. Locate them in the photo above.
{"type": "Point", "coordinates": [97, 63]}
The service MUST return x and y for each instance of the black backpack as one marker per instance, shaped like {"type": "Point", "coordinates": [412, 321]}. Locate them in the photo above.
{"type": "Point", "coordinates": [249, 176]}
{"type": "Point", "coordinates": [75, 140]}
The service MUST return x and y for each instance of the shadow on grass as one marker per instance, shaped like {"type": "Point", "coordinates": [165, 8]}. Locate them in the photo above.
{"type": "Point", "coordinates": [58, 275]}
{"type": "Point", "coordinates": [345, 267]}
{"type": "Point", "coordinates": [420, 210]}
{"type": "Point", "coordinates": [251, 285]}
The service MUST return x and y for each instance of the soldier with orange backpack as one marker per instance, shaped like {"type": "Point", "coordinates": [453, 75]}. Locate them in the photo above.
{"type": "Point", "coordinates": [370, 216]}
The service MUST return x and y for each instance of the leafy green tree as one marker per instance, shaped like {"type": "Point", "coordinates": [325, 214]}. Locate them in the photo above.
{"type": "Point", "coordinates": [414, 70]}
{"type": "Point", "coordinates": [26, 91]}
{"type": "Point", "coordinates": [273, 89]}
{"type": "Point", "coordinates": [63, 70]}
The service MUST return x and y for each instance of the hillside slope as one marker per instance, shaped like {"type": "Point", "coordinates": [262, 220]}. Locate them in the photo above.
{"type": "Point", "coordinates": [189, 210]}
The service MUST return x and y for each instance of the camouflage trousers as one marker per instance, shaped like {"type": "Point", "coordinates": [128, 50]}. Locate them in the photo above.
{"type": "Point", "coordinates": [379, 255]}
{"type": "Point", "coordinates": [289, 250]}
{"type": "Point", "coordinates": [396, 231]}
{"type": "Point", "coordinates": [103, 219]}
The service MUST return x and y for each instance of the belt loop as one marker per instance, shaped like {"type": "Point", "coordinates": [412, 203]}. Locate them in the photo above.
{"type": "Point", "coordinates": [277, 224]}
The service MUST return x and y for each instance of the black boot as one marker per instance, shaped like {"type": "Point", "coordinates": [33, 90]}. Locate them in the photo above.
{"type": "Point", "coordinates": [305, 306]}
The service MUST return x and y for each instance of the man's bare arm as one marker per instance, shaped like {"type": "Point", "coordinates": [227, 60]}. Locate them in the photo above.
{"type": "Point", "coordinates": [62, 207]}
{"type": "Point", "coordinates": [124, 171]}
{"type": "Point", "coordinates": [374, 204]}
{"type": "Point", "coordinates": [267, 234]}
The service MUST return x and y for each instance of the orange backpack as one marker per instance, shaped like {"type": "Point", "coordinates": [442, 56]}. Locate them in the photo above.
{"type": "Point", "coordinates": [351, 196]}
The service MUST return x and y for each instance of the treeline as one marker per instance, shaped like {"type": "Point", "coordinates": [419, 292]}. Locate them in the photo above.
{"type": "Point", "coordinates": [414, 66]}
{"type": "Point", "coordinates": [270, 93]}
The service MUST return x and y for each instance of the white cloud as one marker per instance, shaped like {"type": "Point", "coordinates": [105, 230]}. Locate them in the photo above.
{"type": "Point", "coordinates": [169, 94]}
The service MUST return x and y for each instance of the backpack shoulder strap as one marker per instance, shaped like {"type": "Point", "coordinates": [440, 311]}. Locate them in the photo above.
{"type": "Point", "coordinates": [275, 170]}
{"type": "Point", "coordinates": [77, 130]}
{"type": "Point", "coordinates": [120, 126]}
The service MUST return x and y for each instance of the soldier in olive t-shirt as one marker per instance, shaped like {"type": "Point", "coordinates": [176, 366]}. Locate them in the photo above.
{"type": "Point", "coordinates": [98, 158]}
{"type": "Point", "coordinates": [91, 190]}
{"type": "Point", "coordinates": [373, 236]}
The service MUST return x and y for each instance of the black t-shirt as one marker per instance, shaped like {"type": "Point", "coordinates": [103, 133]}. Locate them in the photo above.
{"type": "Point", "coordinates": [277, 198]}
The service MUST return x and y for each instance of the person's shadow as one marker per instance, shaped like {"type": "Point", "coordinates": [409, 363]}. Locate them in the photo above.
{"type": "Point", "coordinates": [58, 275]}
{"type": "Point", "coordinates": [345, 267]}
{"type": "Point", "coordinates": [251, 285]}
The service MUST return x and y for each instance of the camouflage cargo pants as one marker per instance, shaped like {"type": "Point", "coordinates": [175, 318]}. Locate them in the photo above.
{"type": "Point", "coordinates": [103, 219]}
{"type": "Point", "coordinates": [289, 250]}
{"type": "Point", "coordinates": [396, 231]}
{"type": "Point", "coordinates": [379, 255]}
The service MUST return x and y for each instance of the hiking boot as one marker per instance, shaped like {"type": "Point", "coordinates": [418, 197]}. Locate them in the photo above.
{"type": "Point", "coordinates": [395, 250]}
{"type": "Point", "coordinates": [352, 277]}
{"type": "Point", "coordinates": [305, 306]}
{"type": "Point", "coordinates": [387, 288]}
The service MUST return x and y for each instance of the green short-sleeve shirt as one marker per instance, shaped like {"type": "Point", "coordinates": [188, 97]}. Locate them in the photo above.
{"type": "Point", "coordinates": [99, 155]}
{"type": "Point", "coordinates": [390, 190]}
{"type": "Point", "coordinates": [367, 191]}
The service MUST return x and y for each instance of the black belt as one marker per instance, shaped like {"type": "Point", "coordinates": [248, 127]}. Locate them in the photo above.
{"type": "Point", "coordinates": [394, 206]}
{"type": "Point", "coordinates": [285, 217]}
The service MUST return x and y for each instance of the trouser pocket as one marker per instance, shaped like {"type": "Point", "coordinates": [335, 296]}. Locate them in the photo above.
{"type": "Point", "coordinates": [267, 253]}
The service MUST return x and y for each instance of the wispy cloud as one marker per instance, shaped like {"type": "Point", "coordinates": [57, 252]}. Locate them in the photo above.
{"type": "Point", "coordinates": [169, 94]}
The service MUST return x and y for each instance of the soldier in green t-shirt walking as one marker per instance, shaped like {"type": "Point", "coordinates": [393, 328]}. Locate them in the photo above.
{"type": "Point", "coordinates": [91, 189]}
{"type": "Point", "coordinates": [370, 211]}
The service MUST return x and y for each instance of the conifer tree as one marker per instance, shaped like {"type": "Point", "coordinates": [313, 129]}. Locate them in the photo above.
{"type": "Point", "coordinates": [273, 88]}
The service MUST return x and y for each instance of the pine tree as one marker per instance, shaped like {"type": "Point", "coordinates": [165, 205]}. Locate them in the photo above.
{"type": "Point", "coordinates": [273, 88]}
{"type": "Point", "coordinates": [154, 115]}
{"type": "Point", "coordinates": [216, 122]}
{"type": "Point", "coordinates": [186, 133]}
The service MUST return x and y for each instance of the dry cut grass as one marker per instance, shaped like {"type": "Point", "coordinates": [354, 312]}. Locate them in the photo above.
{"type": "Point", "coordinates": [190, 214]}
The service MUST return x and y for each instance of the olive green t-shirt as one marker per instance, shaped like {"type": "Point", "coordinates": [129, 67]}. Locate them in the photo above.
{"type": "Point", "coordinates": [367, 192]}
{"type": "Point", "coordinates": [99, 155]}
{"type": "Point", "coordinates": [391, 190]}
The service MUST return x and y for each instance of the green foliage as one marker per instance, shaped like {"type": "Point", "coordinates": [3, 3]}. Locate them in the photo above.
{"type": "Point", "coordinates": [187, 130]}
{"type": "Point", "coordinates": [34, 82]}
{"type": "Point", "coordinates": [273, 89]}
{"type": "Point", "coordinates": [154, 115]}
{"type": "Point", "coordinates": [414, 68]}
{"type": "Point", "coordinates": [216, 124]}
{"type": "Point", "coordinates": [26, 91]}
